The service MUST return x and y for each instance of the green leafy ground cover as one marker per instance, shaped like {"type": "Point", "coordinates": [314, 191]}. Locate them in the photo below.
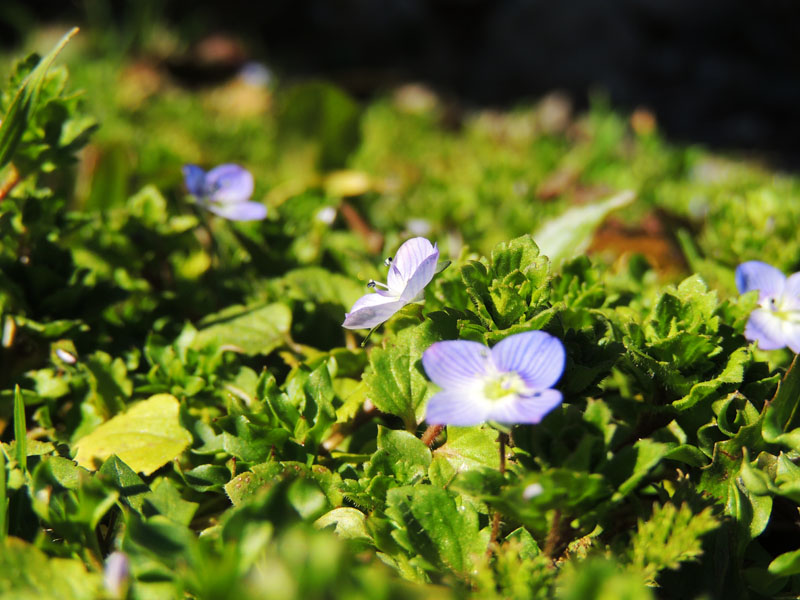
{"type": "Point", "coordinates": [179, 388]}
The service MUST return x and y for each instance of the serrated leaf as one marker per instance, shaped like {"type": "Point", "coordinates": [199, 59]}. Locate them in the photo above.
{"type": "Point", "coordinates": [470, 448]}
{"type": "Point", "coordinates": [401, 455]}
{"type": "Point", "coordinates": [396, 381]}
{"type": "Point", "coordinates": [146, 437]}
{"type": "Point", "coordinates": [439, 525]}
{"type": "Point", "coordinates": [671, 535]}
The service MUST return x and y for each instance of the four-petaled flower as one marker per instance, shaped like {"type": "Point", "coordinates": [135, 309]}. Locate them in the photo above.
{"type": "Point", "coordinates": [225, 190]}
{"type": "Point", "coordinates": [776, 322]}
{"type": "Point", "coordinates": [412, 269]}
{"type": "Point", "coordinates": [511, 383]}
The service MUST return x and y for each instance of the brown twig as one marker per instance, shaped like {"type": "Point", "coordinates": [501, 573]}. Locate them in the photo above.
{"type": "Point", "coordinates": [431, 433]}
{"type": "Point", "coordinates": [10, 183]}
{"type": "Point", "coordinates": [555, 543]}
{"type": "Point", "coordinates": [373, 239]}
{"type": "Point", "coordinates": [502, 438]}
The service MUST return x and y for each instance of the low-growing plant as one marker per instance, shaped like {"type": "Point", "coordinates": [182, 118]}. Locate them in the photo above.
{"type": "Point", "coordinates": [211, 404]}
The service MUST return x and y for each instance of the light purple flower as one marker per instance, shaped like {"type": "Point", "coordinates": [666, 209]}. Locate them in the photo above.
{"type": "Point", "coordinates": [776, 322]}
{"type": "Point", "coordinates": [511, 383]}
{"type": "Point", "coordinates": [116, 574]}
{"type": "Point", "coordinates": [412, 269]}
{"type": "Point", "coordinates": [225, 190]}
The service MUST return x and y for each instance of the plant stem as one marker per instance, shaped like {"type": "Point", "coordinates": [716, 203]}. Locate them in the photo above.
{"type": "Point", "coordinates": [502, 438]}
{"type": "Point", "coordinates": [553, 541]}
{"type": "Point", "coordinates": [431, 433]}
{"type": "Point", "coordinates": [3, 497]}
{"type": "Point", "coordinates": [356, 223]}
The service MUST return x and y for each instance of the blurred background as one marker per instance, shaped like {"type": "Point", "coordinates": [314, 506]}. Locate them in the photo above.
{"type": "Point", "coordinates": [722, 72]}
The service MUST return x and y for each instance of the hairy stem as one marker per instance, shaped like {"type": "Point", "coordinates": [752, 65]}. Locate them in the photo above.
{"type": "Point", "coordinates": [431, 433]}
{"type": "Point", "coordinates": [502, 438]}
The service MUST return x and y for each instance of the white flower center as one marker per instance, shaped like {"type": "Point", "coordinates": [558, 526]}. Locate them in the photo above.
{"type": "Point", "coordinates": [782, 307]}
{"type": "Point", "coordinates": [500, 385]}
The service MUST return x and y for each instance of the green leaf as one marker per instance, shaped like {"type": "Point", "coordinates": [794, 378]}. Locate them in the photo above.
{"type": "Point", "coordinates": [510, 287]}
{"type": "Point", "coordinates": [782, 419]}
{"type": "Point", "coordinates": [731, 375]}
{"type": "Point", "coordinates": [349, 523]}
{"type": "Point", "coordinates": [401, 455]}
{"type": "Point", "coordinates": [132, 489]}
{"type": "Point", "coordinates": [3, 498]}
{"type": "Point", "coordinates": [146, 437]}
{"type": "Point", "coordinates": [672, 535]}
{"type": "Point", "coordinates": [27, 573]}
{"type": "Point", "coordinates": [250, 330]}
{"type": "Point", "coordinates": [396, 381]}
{"type": "Point", "coordinates": [632, 464]}
{"type": "Point", "coordinates": [600, 579]}
{"type": "Point", "coordinates": [249, 441]}
{"type": "Point", "coordinates": [470, 448]}
{"type": "Point", "coordinates": [571, 233]}
{"type": "Point", "coordinates": [25, 103]}
{"type": "Point", "coordinates": [166, 499]}
{"type": "Point", "coordinates": [786, 564]}
{"type": "Point", "coordinates": [439, 525]}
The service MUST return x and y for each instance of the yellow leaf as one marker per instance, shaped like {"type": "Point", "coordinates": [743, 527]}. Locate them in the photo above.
{"type": "Point", "coordinates": [145, 438]}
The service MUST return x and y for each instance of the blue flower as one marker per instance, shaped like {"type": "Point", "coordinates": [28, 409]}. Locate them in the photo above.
{"type": "Point", "coordinates": [225, 190]}
{"type": "Point", "coordinates": [411, 270]}
{"type": "Point", "coordinates": [776, 322]}
{"type": "Point", "coordinates": [511, 383]}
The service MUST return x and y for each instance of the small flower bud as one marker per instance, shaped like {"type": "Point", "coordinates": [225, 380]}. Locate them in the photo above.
{"type": "Point", "coordinates": [116, 575]}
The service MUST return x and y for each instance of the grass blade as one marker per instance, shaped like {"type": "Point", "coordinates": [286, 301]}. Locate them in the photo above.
{"type": "Point", "coordinates": [23, 105]}
{"type": "Point", "coordinates": [20, 430]}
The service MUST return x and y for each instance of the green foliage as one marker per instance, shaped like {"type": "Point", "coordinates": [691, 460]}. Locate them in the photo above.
{"type": "Point", "coordinates": [671, 536]}
{"type": "Point", "coordinates": [179, 388]}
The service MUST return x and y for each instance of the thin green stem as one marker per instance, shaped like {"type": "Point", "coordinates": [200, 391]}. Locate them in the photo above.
{"type": "Point", "coordinates": [20, 430]}
{"type": "Point", "coordinates": [3, 497]}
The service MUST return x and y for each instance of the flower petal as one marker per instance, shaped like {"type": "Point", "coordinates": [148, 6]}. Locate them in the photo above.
{"type": "Point", "coordinates": [791, 293]}
{"type": "Point", "coordinates": [766, 328]}
{"type": "Point", "coordinates": [459, 408]}
{"type": "Point", "coordinates": [536, 356]}
{"type": "Point", "coordinates": [371, 310]}
{"type": "Point", "coordinates": [240, 211]}
{"type": "Point", "coordinates": [421, 277]}
{"type": "Point", "coordinates": [525, 409]}
{"type": "Point", "coordinates": [194, 179]}
{"type": "Point", "coordinates": [407, 261]}
{"type": "Point", "coordinates": [791, 335]}
{"type": "Point", "coordinates": [456, 364]}
{"type": "Point", "coordinates": [229, 183]}
{"type": "Point", "coordinates": [756, 275]}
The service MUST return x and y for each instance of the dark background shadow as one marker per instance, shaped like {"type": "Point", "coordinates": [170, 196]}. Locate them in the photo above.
{"type": "Point", "coordinates": [725, 73]}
